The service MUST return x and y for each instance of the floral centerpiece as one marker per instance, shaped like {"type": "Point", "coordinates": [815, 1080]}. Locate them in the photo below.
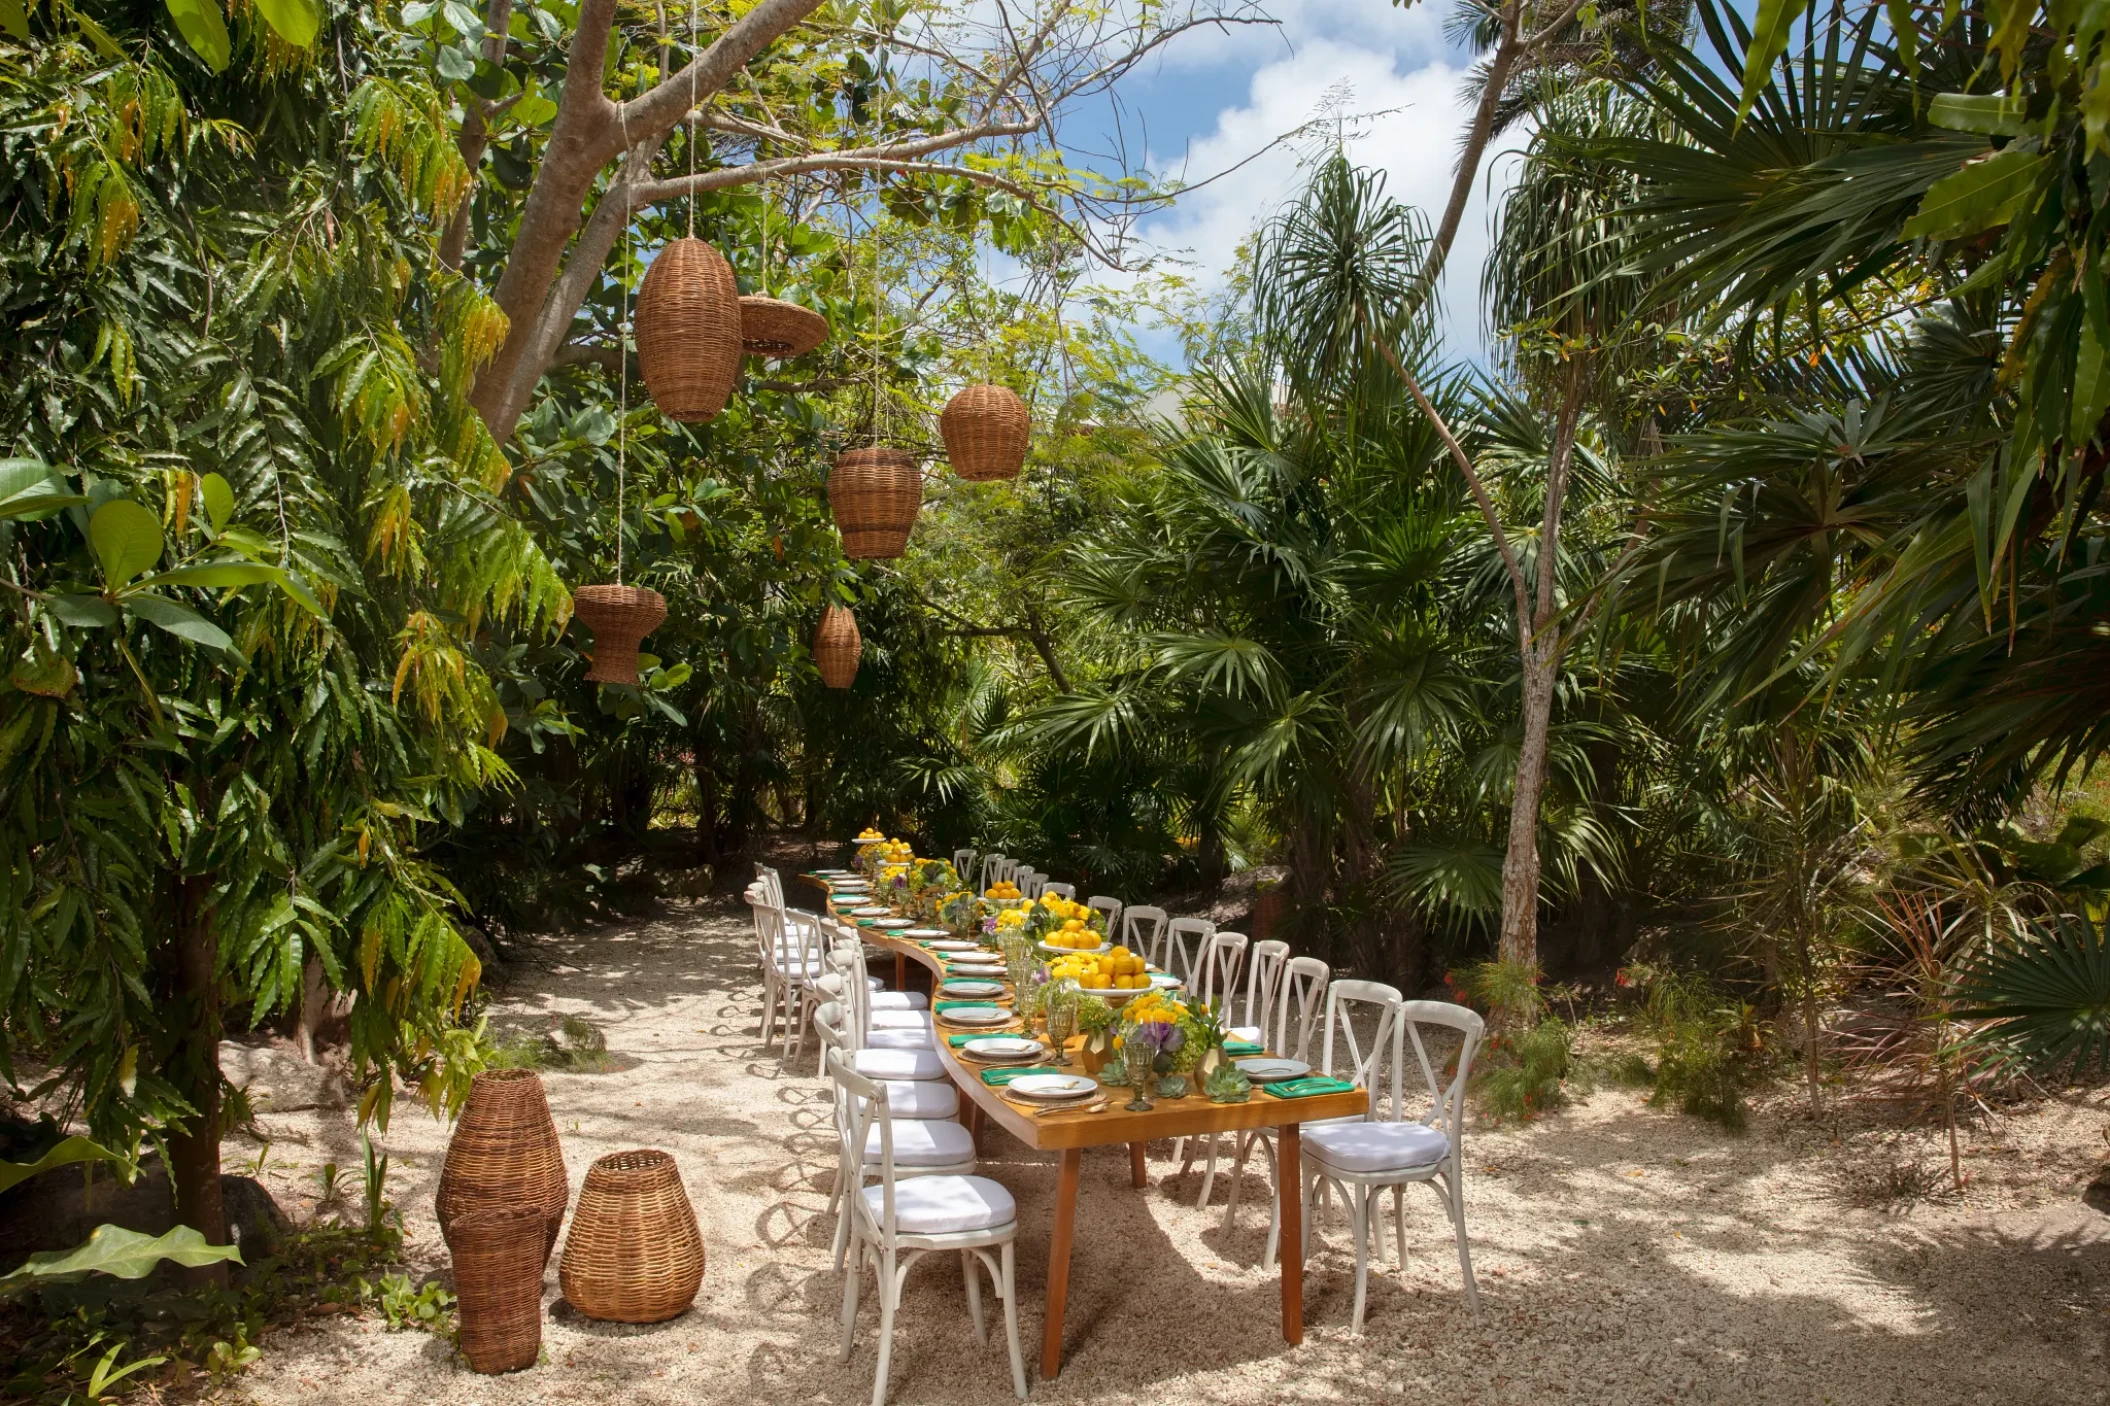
{"type": "Point", "coordinates": [961, 912]}
{"type": "Point", "coordinates": [1095, 1022]}
{"type": "Point", "coordinates": [929, 880]}
{"type": "Point", "coordinates": [1063, 922]}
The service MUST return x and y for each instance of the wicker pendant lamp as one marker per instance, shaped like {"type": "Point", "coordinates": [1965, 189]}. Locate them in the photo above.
{"type": "Point", "coordinates": [875, 495]}
{"type": "Point", "coordinates": [634, 1254]}
{"type": "Point", "coordinates": [986, 430]}
{"type": "Point", "coordinates": [620, 618]}
{"type": "Point", "coordinates": [837, 647]}
{"type": "Point", "coordinates": [776, 329]}
{"type": "Point", "coordinates": [505, 1152]}
{"type": "Point", "coordinates": [689, 330]}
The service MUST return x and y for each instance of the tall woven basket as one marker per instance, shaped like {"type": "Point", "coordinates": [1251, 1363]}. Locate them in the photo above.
{"type": "Point", "coordinates": [499, 1252]}
{"type": "Point", "coordinates": [688, 330]}
{"type": "Point", "coordinates": [986, 429]}
{"type": "Point", "coordinates": [620, 618]}
{"type": "Point", "coordinates": [837, 647]}
{"type": "Point", "coordinates": [875, 495]}
{"type": "Point", "coordinates": [505, 1153]}
{"type": "Point", "coordinates": [774, 328]}
{"type": "Point", "coordinates": [633, 1254]}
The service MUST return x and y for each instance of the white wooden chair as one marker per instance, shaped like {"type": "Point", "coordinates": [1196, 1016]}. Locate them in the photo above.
{"type": "Point", "coordinates": [1391, 1149]}
{"type": "Point", "coordinates": [769, 944]}
{"type": "Point", "coordinates": [1296, 1018]}
{"type": "Point", "coordinates": [1030, 881]}
{"type": "Point", "coordinates": [991, 861]}
{"type": "Point", "coordinates": [912, 1055]}
{"type": "Point", "coordinates": [899, 1221]}
{"type": "Point", "coordinates": [963, 864]}
{"type": "Point", "coordinates": [1263, 980]}
{"type": "Point", "coordinates": [1184, 940]}
{"type": "Point", "coordinates": [1143, 930]}
{"type": "Point", "coordinates": [1222, 955]}
{"type": "Point", "coordinates": [1006, 871]}
{"type": "Point", "coordinates": [1068, 891]}
{"type": "Point", "coordinates": [772, 883]}
{"type": "Point", "coordinates": [1111, 907]}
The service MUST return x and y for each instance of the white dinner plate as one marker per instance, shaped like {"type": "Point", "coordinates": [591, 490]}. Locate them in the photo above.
{"type": "Point", "coordinates": [1272, 1071]}
{"type": "Point", "coordinates": [968, 986]}
{"type": "Point", "coordinates": [975, 1015]}
{"type": "Point", "coordinates": [925, 932]}
{"type": "Point", "coordinates": [1165, 981]}
{"type": "Point", "coordinates": [894, 924]}
{"type": "Point", "coordinates": [955, 945]}
{"type": "Point", "coordinates": [1054, 951]}
{"type": "Point", "coordinates": [1007, 1049]}
{"type": "Point", "coordinates": [871, 910]}
{"type": "Point", "coordinates": [1053, 1088]}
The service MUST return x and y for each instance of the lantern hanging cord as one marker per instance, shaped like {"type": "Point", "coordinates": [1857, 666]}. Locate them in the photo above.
{"type": "Point", "coordinates": [695, 117]}
{"type": "Point", "coordinates": [622, 355]}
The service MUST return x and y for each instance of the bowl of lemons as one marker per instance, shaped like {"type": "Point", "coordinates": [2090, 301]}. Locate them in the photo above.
{"type": "Point", "coordinates": [1073, 936]}
{"type": "Point", "coordinates": [1113, 975]}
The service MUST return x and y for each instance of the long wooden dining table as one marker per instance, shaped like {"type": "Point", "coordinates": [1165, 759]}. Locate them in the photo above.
{"type": "Point", "coordinates": [1070, 1132]}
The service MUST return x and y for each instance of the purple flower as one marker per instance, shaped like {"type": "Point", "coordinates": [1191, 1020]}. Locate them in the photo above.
{"type": "Point", "coordinates": [988, 925]}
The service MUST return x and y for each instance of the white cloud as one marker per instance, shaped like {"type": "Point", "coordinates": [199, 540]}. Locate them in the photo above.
{"type": "Point", "coordinates": [1417, 115]}
{"type": "Point", "coordinates": [1414, 33]}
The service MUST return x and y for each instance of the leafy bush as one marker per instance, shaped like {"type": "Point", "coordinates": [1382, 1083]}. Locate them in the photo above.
{"type": "Point", "coordinates": [1710, 1047]}
{"type": "Point", "coordinates": [1528, 1077]}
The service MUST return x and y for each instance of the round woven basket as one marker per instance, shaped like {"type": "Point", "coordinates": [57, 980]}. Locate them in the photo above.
{"type": "Point", "coordinates": [986, 431]}
{"type": "Point", "coordinates": [836, 647]}
{"type": "Point", "coordinates": [620, 617]}
{"type": "Point", "coordinates": [499, 1252]}
{"type": "Point", "coordinates": [774, 328]}
{"type": "Point", "coordinates": [688, 330]}
{"type": "Point", "coordinates": [875, 494]}
{"type": "Point", "coordinates": [633, 1254]}
{"type": "Point", "coordinates": [505, 1153]}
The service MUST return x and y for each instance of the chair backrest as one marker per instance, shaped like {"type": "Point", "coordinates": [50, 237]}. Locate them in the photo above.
{"type": "Point", "coordinates": [1142, 930]}
{"type": "Point", "coordinates": [772, 883]}
{"type": "Point", "coordinates": [1263, 980]}
{"type": "Point", "coordinates": [847, 960]}
{"type": "Point", "coordinates": [1222, 956]}
{"type": "Point", "coordinates": [1111, 907]}
{"type": "Point", "coordinates": [1350, 1054]}
{"type": "Point", "coordinates": [1006, 871]}
{"type": "Point", "coordinates": [1030, 882]}
{"type": "Point", "coordinates": [861, 1105]}
{"type": "Point", "coordinates": [769, 925]}
{"type": "Point", "coordinates": [991, 860]}
{"type": "Point", "coordinates": [1303, 997]}
{"type": "Point", "coordinates": [1068, 891]}
{"type": "Point", "coordinates": [1184, 939]}
{"type": "Point", "coordinates": [805, 944]}
{"type": "Point", "coordinates": [963, 863]}
{"type": "Point", "coordinates": [1446, 1101]}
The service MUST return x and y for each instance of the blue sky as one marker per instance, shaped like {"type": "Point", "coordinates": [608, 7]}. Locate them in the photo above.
{"type": "Point", "coordinates": [1213, 100]}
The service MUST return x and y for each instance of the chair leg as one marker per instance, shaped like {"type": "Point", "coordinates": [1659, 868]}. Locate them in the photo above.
{"type": "Point", "coordinates": [1399, 1220]}
{"type": "Point", "coordinates": [1009, 1289]}
{"type": "Point", "coordinates": [889, 1295]}
{"type": "Point", "coordinates": [842, 1225]}
{"type": "Point", "coordinates": [851, 1281]}
{"type": "Point", "coordinates": [1241, 1144]}
{"type": "Point", "coordinates": [769, 1006]}
{"type": "Point", "coordinates": [974, 1296]}
{"type": "Point", "coordinates": [1359, 1213]}
{"type": "Point", "coordinates": [1208, 1176]}
{"type": "Point", "coordinates": [1465, 1254]}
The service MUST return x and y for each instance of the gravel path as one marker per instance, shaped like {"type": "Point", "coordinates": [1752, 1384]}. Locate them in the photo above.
{"type": "Point", "coordinates": [1624, 1254]}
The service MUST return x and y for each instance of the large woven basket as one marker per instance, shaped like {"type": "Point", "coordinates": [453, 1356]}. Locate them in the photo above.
{"type": "Point", "coordinates": [505, 1153]}
{"type": "Point", "coordinates": [875, 494]}
{"type": "Point", "coordinates": [620, 618]}
{"type": "Point", "coordinates": [986, 429]}
{"type": "Point", "coordinates": [633, 1254]}
{"type": "Point", "coordinates": [688, 330]}
{"type": "Point", "coordinates": [774, 328]}
{"type": "Point", "coordinates": [499, 1252]}
{"type": "Point", "coordinates": [837, 646]}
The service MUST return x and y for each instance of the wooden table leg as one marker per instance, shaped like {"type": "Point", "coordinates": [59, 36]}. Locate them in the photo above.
{"type": "Point", "coordinates": [901, 971]}
{"type": "Point", "coordinates": [1137, 1176]}
{"type": "Point", "coordinates": [1059, 1262]}
{"type": "Point", "coordinates": [1289, 1186]}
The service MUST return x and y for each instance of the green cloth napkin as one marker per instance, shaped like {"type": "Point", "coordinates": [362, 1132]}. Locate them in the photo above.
{"type": "Point", "coordinates": [1244, 1047]}
{"type": "Point", "coordinates": [956, 1005]}
{"type": "Point", "coordinates": [1305, 1088]}
{"type": "Point", "coordinates": [958, 1040]}
{"type": "Point", "coordinates": [998, 1078]}
{"type": "Point", "coordinates": [866, 922]}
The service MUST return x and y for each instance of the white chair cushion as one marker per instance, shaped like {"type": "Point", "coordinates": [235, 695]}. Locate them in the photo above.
{"type": "Point", "coordinates": [930, 1098]}
{"type": "Point", "coordinates": [944, 1205]}
{"type": "Point", "coordinates": [898, 1040]}
{"type": "Point", "coordinates": [900, 1001]}
{"type": "Point", "coordinates": [1376, 1147]}
{"type": "Point", "coordinates": [898, 1064]}
{"type": "Point", "coordinates": [900, 1020]}
{"type": "Point", "coordinates": [924, 1143]}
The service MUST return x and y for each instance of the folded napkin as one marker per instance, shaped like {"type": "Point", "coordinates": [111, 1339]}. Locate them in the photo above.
{"type": "Point", "coordinates": [998, 1078]}
{"type": "Point", "coordinates": [1305, 1088]}
{"type": "Point", "coordinates": [955, 1005]}
{"type": "Point", "coordinates": [958, 1040]}
{"type": "Point", "coordinates": [866, 922]}
{"type": "Point", "coordinates": [1244, 1047]}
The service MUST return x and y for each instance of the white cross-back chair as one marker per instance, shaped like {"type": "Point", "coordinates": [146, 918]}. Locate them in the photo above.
{"type": "Point", "coordinates": [1030, 881]}
{"type": "Point", "coordinates": [1068, 891]}
{"type": "Point", "coordinates": [877, 1052]}
{"type": "Point", "coordinates": [1296, 1018]}
{"type": "Point", "coordinates": [769, 954]}
{"type": "Point", "coordinates": [1184, 940]}
{"type": "Point", "coordinates": [1006, 871]}
{"type": "Point", "coordinates": [1143, 930]}
{"type": "Point", "coordinates": [963, 864]}
{"type": "Point", "coordinates": [1216, 982]}
{"type": "Point", "coordinates": [1263, 979]}
{"type": "Point", "coordinates": [884, 1010]}
{"type": "Point", "coordinates": [772, 883]}
{"type": "Point", "coordinates": [1393, 1149]}
{"type": "Point", "coordinates": [1111, 907]}
{"type": "Point", "coordinates": [898, 1221]}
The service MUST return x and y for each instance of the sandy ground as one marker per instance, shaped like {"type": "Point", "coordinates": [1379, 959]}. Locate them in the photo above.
{"type": "Point", "coordinates": [1625, 1254]}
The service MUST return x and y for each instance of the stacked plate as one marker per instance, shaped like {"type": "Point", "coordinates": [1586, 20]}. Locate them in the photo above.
{"type": "Point", "coordinates": [972, 986]}
{"type": "Point", "coordinates": [976, 1015]}
{"type": "Point", "coordinates": [871, 910]}
{"type": "Point", "coordinates": [955, 944]}
{"type": "Point", "coordinates": [924, 933]}
{"type": "Point", "coordinates": [1053, 1090]}
{"type": "Point", "coordinates": [895, 924]}
{"type": "Point", "coordinates": [1272, 1071]}
{"type": "Point", "coordinates": [1005, 1049]}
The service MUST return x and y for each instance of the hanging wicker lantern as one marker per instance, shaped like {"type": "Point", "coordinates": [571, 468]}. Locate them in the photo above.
{"type": "Point", "coordinates": [774, 328]}
{"type": "Point", "coordinates": [505, 1152]}
{"type": "Point", "coordinates": [986, 431]}
{"type": "Point", "coordinates": [837, 647]}
{"type": "Point", "coordinates": [620, 617]}
{"type": "Point", "coordinates": [688, 330]}
{"type": "Point", "coordinates": [875, 494]}
{"type": "Point", "coordinates": [634, 1254]}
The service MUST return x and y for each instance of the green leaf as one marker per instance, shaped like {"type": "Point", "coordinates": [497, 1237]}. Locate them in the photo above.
{"type": "Point", "coordinates": [2091, 368]}
{"type": "Point", "coordinates": [30, 488]}
{"type": "Point", "coordinates": [456, 64]}
{"type": "Point", "coordinates": [14, 19]}
{"type": "Point", "coordinates": [126, 538]}
{"type": "Point", "coordinates": [216, 575]}
{"type": "Point", "coordinates": [1989, 113]}
{"type": "Point", "coordinates": [83, 612]}
{"type": "Point", "coordinates": [295, 20]}
{"type": "Point", "coordinates": [534, 108]}
{"type": "Point", "coordinates": [466, 22]}
{"type": "Point", "coordinates": [219, 502]}
{"type": "Point", "coordinates": [120, 1253]}
{"type": "Point", "coordinates": [44, 672]}
{"type": "Point", "coordinates": [1904, 30]}
{"type": "Point", "coordinates": [202, 28]}
{"type": "Point", "coordinates": [2045, 998]}
{"type": "Point", "coordinates": [67, 1152]}
{"type": "Point", "coordinates": [178, 620]}
{"type": "Point", "coordinates": [1769, 40]}
{"type": "Point", "coordinates": [1982, 196]}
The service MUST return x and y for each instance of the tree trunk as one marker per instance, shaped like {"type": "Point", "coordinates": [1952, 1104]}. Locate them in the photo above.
{"type": "Point", "coordinates": [194, 1070]}
{"type": "Point", "coordinates": [706, 806]}
{"type": "Point", "coordinates": [1519, 944]}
